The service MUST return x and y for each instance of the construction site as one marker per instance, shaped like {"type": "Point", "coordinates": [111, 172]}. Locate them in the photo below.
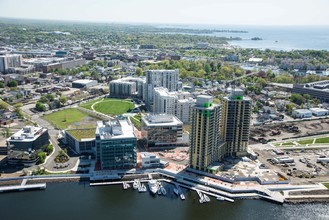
{"type": "Point", "coordinates": [288, 130]}
{"type": "Point", "coordinates": [298, 165]}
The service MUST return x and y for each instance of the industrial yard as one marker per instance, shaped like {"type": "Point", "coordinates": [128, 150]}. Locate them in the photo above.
{"type": "Point", "coordinates": [297, 165]}
{"type": "Point", "coordinates": [288, 130]}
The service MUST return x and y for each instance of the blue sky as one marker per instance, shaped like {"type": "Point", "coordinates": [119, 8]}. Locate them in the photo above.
{"type": "Point", "coordinates": [220, 12]}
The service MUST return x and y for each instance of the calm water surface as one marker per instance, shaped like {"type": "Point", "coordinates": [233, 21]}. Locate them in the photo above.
{"type": "Point", "coordinates": [79, 201]}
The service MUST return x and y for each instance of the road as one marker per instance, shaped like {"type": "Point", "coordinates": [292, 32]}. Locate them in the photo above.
{"type": "Point", "coordinates": [53, 135]}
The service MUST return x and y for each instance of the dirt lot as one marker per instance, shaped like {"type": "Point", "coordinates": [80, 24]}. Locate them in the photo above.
{"type": "Point", "coordinates": [305, 169]}
{"type": "Point", "coordinates": [286, 130]}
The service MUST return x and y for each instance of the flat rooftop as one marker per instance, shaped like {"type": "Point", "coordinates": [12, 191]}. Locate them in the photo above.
{"type": "Point", "coordinates": [83, 81]}
{"type": "Point", "coordinates": [82, 134]}
{"type": "Point", "coordinates": [27, 134]}
{"type": "Point", "coordinates": [115, 129]}
{"type": "Point", "coordinates": [160, 120]}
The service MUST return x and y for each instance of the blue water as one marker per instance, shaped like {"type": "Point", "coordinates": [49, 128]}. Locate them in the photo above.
{"type": "Point", "coordinates": [70, 201]}
{"type": "Point", "coordinates": [288, 37]}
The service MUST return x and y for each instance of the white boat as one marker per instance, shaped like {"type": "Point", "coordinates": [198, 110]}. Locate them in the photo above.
{"type": "Point", "coordinates": [200, 195]}
{"type": "Point", "coordinates": [159, 191]}
{"type": "Point", "coordinates": [153, 185]}
{"type": "Point", "coordinates": [176, 191]}
{"type": "Point", "coordinates": [206, 198]}
{"type": "Point", "coordinates": [142, 188]}
{"type": "Point", "coordinates": [219, 198]}
{"type": "Point", "coordinates": [163, 190]}
{"type": "Point", "coordinates": [124, 185]}
{"type": "Point", "coordinates": [201, 201]}
{"type": "Point", "coordinates": [135, 184]}
{"type": "Point", "coordinates": [182, 197]}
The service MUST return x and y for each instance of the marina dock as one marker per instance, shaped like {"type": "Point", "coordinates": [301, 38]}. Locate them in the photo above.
{"type": "Point", "coordinates": [23, 187]}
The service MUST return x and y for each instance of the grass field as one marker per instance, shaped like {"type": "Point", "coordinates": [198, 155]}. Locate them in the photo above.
{"type": "Point", "coordinates": [326, 185]}
{"type": "Point", "coordinates": [324, 140]}
{"type": "Point", "coordinates": [63, 119]}
{"type": "Point", "coordinates": [308, 141]}
{"type": "Point", "coordinates": [110, 106]}
{"type": "Point", "coordinates": [88, 105]}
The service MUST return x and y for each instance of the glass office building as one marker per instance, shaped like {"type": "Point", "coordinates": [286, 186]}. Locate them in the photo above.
{"type": "Point", "coordinates": [115, 145]}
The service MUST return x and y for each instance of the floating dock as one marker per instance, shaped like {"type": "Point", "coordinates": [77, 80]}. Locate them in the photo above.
{"type": "Point", "coordinates": [23, 187]}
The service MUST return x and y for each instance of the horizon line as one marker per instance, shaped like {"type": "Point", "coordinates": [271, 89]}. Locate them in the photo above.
{"type": "Point", "coordinates": [157, 23]}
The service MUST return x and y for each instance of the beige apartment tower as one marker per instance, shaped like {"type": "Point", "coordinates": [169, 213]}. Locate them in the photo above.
{"type": "Point", "coordinates": [206, 147]}
{"type": "Point", "coordinates": [235, 123]}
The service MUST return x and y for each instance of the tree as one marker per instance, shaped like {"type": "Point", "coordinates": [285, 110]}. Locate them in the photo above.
{"type": "Point", "coordinates": [50, 97]}
{"type": "Point", "coordinates": [6, 132]}
{"type": "Point", "coordinates": [43, 99]}
{"type": "Point", "coordinates": [139, 71]}
{"type": "Point", "coordinates": [62, 100]}
{"type": "Point", "coordinates": [42, 157]}
{"type": "Point", "coordinates": [19, 95]}
{"type": "Point", "coordinates": [40, 106]}
{"type": "Point", "coordinates": [297, 99]}
{"type": "Point", "coordinates": [289, 108]}
{"type": "Point", "coordinates": [12, 83]}
{"type": "Point", "coordinates": [2, 85]}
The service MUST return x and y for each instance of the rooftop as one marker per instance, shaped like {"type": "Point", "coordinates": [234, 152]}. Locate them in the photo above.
{"type": "Point", "coordinates": [83, 81]}
{"type": "Point", "coordinates": [159, 120]}
{"type": "Point", "coordinates": [82, 134]}
{"type": "Point", "coordinates": [115, 129]}
{"type": "Point", "coordinates": [27, 134]}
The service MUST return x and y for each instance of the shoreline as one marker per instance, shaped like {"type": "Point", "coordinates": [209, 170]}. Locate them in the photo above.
{"type": "Point", "coordinates": [289, 201]}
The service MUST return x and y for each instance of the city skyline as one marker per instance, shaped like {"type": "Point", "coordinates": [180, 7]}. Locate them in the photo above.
{"type": "Point", "coordinates": [222, 12]}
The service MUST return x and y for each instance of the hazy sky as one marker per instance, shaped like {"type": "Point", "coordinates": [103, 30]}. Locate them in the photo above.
{"type": "Point", "coordinates": [238, 12]}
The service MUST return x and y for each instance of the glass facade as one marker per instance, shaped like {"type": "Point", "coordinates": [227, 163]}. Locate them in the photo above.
{"type": "Point", "coordinates": [116, 153]}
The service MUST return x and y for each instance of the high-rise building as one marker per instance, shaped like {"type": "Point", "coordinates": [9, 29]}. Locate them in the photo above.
{"type": "Point", "coordinates": [10, 60]}
{"type": "Point", "coordinates": [122, 89]}
{"type": "Point", "coordinates": [160, 78]}
{"type": "Point", "coordinates": [173, 103]}
{"type": "Point", "coordinates": [128, 87]}
{"type": "Point", "coordinates": [164, 101]}
{"type": "Point", "coordinates": [115, 145]}
{"type": "Point", "coordinates": [235, 123]}
{"type": "Point", "coordinates": [206, 147]}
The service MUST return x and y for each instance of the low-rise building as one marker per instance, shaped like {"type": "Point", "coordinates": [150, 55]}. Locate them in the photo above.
{"type": "Point", "coordinates": [83, 83]}
{"type": "Point", "coordinates": [115, 145]}
{"type": "Point", "coordinates": [81, 140]}
{"type": "Point", "coordinates": [28, 138]}
{"type": "Point", "coordinates": [302, 113]}
{"type": "Point", "coordinates": [150, 160]}
{"type": "Point", "coordinates": [319, 111]}
{"type": "Point", "coordinates": [162, 131]}
{"type": "Point", "coordinates": [319, 90]}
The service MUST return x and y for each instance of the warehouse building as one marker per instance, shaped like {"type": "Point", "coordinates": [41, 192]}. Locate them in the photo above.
{"type": "Point", "coordinates": [83, 83]}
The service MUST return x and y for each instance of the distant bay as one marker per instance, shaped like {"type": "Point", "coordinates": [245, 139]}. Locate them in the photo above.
{"type": "Point", "coordinates": [285, 38]}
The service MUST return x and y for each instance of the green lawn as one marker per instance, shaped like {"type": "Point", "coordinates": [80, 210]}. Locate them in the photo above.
{"type": "Point", "coordinates": [288, 144]}
{"type": "Point", "coordinates": [308, 141]}
{"type": "Point", "coordinates": [88, 105]}
{"type": "Point", "coordinates": [322, 140]}
{"type": "Point", "coordinates": [63, 119]}
{"type": "Point", "coordinates": [82, 133]}
{"type": "Point", "coordinates": [114, 106]}
{"type": "Point", "coordinates": [136, 120]}
{"type": "Point", "coordinates": [326, 185]}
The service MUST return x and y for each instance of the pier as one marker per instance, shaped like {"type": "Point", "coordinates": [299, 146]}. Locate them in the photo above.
{"type": "Point", "coordinates": [22, 187]}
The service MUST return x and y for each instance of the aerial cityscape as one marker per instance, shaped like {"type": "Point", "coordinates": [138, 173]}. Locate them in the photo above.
{"type": "Point", "coordinates": [121, 110]}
